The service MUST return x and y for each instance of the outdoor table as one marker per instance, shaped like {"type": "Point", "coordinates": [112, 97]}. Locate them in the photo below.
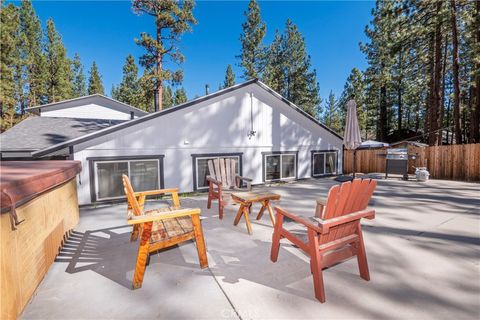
{"type": "Point", "coordinates": [246, 199]}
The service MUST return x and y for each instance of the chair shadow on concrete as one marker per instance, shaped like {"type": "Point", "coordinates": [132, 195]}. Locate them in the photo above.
{"type": "Point", "coordinates": [107, 252]}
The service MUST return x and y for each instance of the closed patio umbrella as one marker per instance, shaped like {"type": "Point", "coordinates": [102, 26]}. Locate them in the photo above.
{"type": "Point", "coordinates": [352, 139]}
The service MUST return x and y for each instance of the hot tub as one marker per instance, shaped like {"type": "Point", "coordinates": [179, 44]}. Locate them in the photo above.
{"type": "Point", "coordinates": [39, 207]}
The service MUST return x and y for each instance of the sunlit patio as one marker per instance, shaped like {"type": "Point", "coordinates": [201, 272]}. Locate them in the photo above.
{"type": "Point", "coordinates": [423, 251]}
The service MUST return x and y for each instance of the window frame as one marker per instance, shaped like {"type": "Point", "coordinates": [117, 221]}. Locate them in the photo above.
{"type": "Point", "coordinates": [92, 161]}
{"type": "Point", "coordinates": [324, 152]}
{"type": "Point", "coordinates": [279, 153]}
{"type": "Point", "coordinates": [199, 156]}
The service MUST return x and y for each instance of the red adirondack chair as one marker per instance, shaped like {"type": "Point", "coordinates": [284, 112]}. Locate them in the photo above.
{"type": "Point", "coordinates": [334, 237]}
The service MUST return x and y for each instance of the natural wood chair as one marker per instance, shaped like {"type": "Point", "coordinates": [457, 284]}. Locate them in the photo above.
{"type": "Point", "coordinates": [161, 228]}
{"type": "Point", "coordinates": [222, 181]}
{"type": "Point", "coordinates": [337, 235]}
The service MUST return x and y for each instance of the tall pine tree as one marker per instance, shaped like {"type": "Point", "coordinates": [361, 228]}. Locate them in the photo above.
{"type": "Point", "coordinates": [128, 90]}
{"type": "Point", "coordinates": [172, 19]}
{"type": "Point", "coordinates": [95, 84]}
{"type": "Point", "coordinates": [180, 96]}
{"type": "Point", "coordinates": [229, 77]}
{"type": "Point", "coordinates": [355, 86]}
{"type": "Point", "coordinates": [33, 59]}
{"type": "Point", "coordinates": [9, 60]}
{"type": "Point", "coordinates": [79, 87]}
{"type": "Point", "coordinates": [58, 71]}
{"type": "Point", "coordinates": [289, 70]}
{"type": "Point", "coordinates": [252, 54]}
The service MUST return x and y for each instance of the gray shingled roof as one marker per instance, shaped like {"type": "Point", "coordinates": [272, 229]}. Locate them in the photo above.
{"type": "Point", "coordinates": [36, 133]}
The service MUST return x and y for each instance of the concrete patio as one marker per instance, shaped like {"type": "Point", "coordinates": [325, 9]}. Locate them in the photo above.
{"type": "Point", "coordinates": [423, 251]}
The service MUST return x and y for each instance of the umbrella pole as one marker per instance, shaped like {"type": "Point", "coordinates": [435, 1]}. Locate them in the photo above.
{"type": "Point", "coordinates": [354, 161]}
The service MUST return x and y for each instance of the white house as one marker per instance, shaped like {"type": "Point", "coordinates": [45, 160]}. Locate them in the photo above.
{"type": "Point", "coordinates": [53, 123]}
{"type": "Point", "coordinates": [271, 138]}
{"type": "Point", "coordinates": [95, 106]}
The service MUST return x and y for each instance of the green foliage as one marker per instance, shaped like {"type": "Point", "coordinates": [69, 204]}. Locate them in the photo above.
{"type": "Point", "coordinates": [9, 62]}
{"type": "Point", "coordinates": [289, 71]}
{"type": "Point", "coordinates": [95, 84]}
{"type": "Point", "coordinates": [355, 85]}
{"type": "Point", "coordinates": [180, 96]}
{"type": "Point", "coordinates": [334, 114]}
{"type": "Point", "coordinates": [229, 77]}
{"type": "Point", "coordinates": [129, 89]}
{"type": "Point", "coordinates": [33, 62]}
{"type": "Point", "coordinates": [252, 54]}
{"type": "Point", "coordinates": [58, 72]}
{"type": "Point", "coordinates": [79, 87]}
{"type": "Point", "coordinates": [167, 97]}
{"type": "Point", "coordinates": [172, 19]}
{"type": "Point", "coordinates": [411, 74]}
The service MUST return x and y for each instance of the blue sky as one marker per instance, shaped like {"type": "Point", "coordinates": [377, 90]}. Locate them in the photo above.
{"type": "Point", "coordinates": [104, 31]}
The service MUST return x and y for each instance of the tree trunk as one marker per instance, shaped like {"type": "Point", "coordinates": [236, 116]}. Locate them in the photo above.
{"type": "Point", "coordinates": [476, 115]}
{"type": "Point", "coordinates": [399, 92]}
{"type": "Point", "coordinates": [442, 102]}
{"type": "Point", "coordinates": [435, 110]}
{"type": "Point", "coordinates": [382, 123]}
{"type": "Point", "coordinates": [431, 87]}
{"type": "Point", "coordinates": [456, 80]}
{"type": "Point", "coordinates": [159, 82]}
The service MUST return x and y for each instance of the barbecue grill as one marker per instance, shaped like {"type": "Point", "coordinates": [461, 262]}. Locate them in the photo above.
{"type": "Point", "coordinates": [397, 162]}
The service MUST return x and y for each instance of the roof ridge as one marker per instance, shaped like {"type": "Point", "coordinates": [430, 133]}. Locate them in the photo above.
{"type": "Point", "coordinates": [154, 115]}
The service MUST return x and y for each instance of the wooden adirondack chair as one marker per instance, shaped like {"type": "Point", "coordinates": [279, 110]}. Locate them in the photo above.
{"type": "Point", "coordinates": [222, 181]}
{"type": "Point", "coordinates": [161, 228]}
{"type": "Point", "coordinates": [335, 237]}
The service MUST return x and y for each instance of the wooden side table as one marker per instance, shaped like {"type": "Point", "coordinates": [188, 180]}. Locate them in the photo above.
{"type": "Point", "coordinates": [246, 199]}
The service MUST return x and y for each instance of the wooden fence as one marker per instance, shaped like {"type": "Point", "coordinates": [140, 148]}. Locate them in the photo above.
{"type": "Point", "coordinates": [453, 162]}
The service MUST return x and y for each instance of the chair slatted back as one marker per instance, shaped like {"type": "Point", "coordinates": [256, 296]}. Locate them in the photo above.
{"type": "Point", "coordinates": [223, 170]}
{"type": "Point", "coordinates": [343, 199]}
{"type": "Point", "coordinates": [132, 200]}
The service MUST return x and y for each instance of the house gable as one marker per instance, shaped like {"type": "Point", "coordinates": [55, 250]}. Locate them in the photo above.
{"type": "Point", "coordinates": [214, 119]}
{"type": "Point", "coordinates": [97, 106]}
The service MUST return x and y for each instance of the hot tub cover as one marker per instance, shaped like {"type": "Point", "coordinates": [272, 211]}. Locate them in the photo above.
{"type": "Point", "coordinates": [21, 181]}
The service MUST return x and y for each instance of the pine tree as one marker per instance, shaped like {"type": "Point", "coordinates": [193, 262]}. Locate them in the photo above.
{"type": "Point", "coordinates": [301, 85]}
{"type": "Point", "coordinates": [355, 86]}
{"type": "Point", "coordinates": [146, 83]}
{"type": "Point", "coordinates": [58, 71]}
{"type": "Point", "coordinates": [180, 96]}
{"type": "Point", "coordinates": [10, 58]}
{"type": "Point", "coordinates": [229, 77]}
{"type": "Point", "coordinates": [167, 98]}
{"type": "Point", "coordinates": [33, 59]}
{"type": "Point", "coordinates": [128, 90]}
{"type": "Point", "coordinates": [172, 19]}
{"type": "Point", "coordinates": [79, 87]}
{"type": "Point", "coordinates": [95, 84]}
{"type": "Point", "coordinates": [273, 74]}
{"type": "Point", "coordinates": [252, 55]}
{"type": "Point", "coordinates": [333, 116]}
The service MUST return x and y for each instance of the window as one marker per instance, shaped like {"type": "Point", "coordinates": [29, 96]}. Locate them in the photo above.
{"type": "Point", "coordinates": [106, 175]}
{"type": "Point", "coordinates": [324, 163]}
{"type": "Point", "coordinates": [280, 166]}
{"type": "Point", "coordinates": [201, 171]}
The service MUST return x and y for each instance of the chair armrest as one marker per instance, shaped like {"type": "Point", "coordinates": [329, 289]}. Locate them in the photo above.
{"type": "Point", "coordinates": [243, 178]}
{"type": "Point", "coordinates": [239, 179]}
{"type": "Point", "coordinates": [163, 215]}
{"type": "Point", "coordinates": [332, 222]}
{"type": "Point", "coordinates": [210, 179]}
{"type": "Point", "coordinates": [322, 201]}
{"type": "Point", "coordinates": [298, 219]}
{"type": "Point", "coordinates": [155, 192]}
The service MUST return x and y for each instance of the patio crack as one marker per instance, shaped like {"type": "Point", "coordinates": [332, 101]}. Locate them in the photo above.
{"type": "Point", "coordinates": [225, 294]}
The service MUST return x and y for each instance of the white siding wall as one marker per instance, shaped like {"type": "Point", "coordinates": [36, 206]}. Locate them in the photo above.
{"type": "Point", "coordinates": [87, 111]}
{"type": "Point", "coordinates": [219, 125]}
